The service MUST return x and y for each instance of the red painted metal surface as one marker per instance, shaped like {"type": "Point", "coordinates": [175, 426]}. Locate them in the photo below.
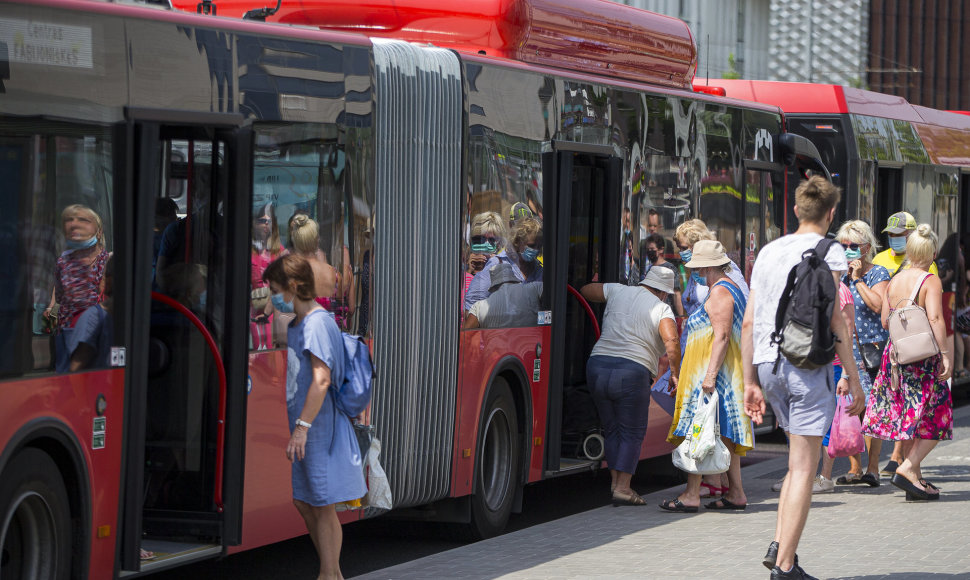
{"type": "Point", "coordinates": [221, 369]}
{"type": "Point", "coordinates": [70, 400]}
{"type": "Point", "coordinates": [481, 351]}
{"type": "Point", "coordinates": [593, 36]}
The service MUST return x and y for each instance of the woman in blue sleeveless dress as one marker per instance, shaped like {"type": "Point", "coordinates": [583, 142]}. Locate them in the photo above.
{"type": "Point", "coordinates": [327, 466]}
{"type": "Point", "coordinates": [712, 362]}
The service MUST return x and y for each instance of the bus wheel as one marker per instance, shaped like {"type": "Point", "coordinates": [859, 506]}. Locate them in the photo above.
{"type": "Point", "coordinates": [497, 465]}
{"type": "Point", "coordinates": [35, 520]}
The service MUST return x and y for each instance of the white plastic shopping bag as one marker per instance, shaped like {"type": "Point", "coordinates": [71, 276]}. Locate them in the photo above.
{"type": "Point", "coordinates": [718, 458]}
{"type": "Point", "coordinates": [703, 426]}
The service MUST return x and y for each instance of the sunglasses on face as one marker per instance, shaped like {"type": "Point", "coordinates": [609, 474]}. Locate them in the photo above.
{"type": "Point", "coordinates": [852, 246]}
{"type": "Point", "coordinates": [484, 240]}
{"type": "Point", "coordinates": [264, 221]}
{"type": "Point", "coordinates": [535, 245]}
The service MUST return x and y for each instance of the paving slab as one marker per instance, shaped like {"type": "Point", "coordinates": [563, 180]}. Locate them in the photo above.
{"type": "Point", "coordinates": [852, 534]}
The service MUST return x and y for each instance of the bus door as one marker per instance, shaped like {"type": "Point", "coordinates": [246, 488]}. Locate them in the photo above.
{"type": "Point", "coordinates": [888, 199]}
{"type": "Point", "coordinates": [583, 230]}
{"type": "Point", "coordinates": [764, 210]}
{"type": "Point", "coordinates": [187, 359]}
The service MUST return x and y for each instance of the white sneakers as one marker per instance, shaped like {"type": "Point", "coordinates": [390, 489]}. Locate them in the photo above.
{"type": "Point", "coordinates": [823, 484]}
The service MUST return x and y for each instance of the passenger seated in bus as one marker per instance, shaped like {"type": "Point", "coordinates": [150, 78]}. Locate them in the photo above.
{"type": "Point", "coordinates": [77, 276]}
{"type": "Point", "coordinates": [510, 304]}
{"type": "Point", "coordinates": [521, 254]}
{"type": "Point", "coordinates": [90, 343]}
{"type": "Point", "coordinates": [488, 235]}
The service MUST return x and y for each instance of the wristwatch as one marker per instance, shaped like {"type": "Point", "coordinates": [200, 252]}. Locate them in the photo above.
{"type": "Point", "coordinates": [302, 423]}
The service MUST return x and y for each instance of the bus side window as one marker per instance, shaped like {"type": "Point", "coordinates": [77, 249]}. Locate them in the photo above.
{"type": "Point", "coordinates": [56, 227]}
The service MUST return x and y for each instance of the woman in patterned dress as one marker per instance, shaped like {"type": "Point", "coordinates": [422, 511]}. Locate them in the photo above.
{"type": "Point", "coordinates": [78, 274]}
{"type": "Point", "coordinates": [917, 409]}
{"type": "Point", "coordinates": [868, 283]}
{"type": "Point", "coordinates": [712, 361]}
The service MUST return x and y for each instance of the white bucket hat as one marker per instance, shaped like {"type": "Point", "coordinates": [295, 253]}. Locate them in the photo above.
{"type": "Point", "coordinates": [659, 278]}
{"type": "Point", "coordinates": [706, 254]}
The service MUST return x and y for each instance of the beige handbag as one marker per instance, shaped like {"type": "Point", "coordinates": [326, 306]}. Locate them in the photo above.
{"type": "Point", "coordinates": [910, 332]}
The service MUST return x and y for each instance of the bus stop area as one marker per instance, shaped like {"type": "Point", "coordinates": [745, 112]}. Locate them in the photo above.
{"type": "Point", "coordinates": [855, 533]}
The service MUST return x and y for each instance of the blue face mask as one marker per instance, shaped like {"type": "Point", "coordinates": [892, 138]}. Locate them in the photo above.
{"type": "Point", "coordinates": [89, 243]}
{"type": "Point", "coordinates": [686, 255]}
{"type": "Point", "coordinates": [529, 254]}
{"type": "Point", "coordinates": [281, 305]}
{"type": "Point", "coordinates": [853, 254]}
{"type": "Point", "coordinates": [898, 245]}
{"type": "Point", "coordinates": [698, 279]}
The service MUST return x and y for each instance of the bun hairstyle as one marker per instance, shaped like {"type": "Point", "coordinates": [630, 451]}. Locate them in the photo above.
{"type": "Point", "coordinates": [304, 234]}
{"type": "Point", "coordinates": [921, 245]}
{"type": "Point", "coordinates": [815, 197]}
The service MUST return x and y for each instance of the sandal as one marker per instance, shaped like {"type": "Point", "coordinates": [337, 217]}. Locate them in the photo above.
{"type": "Point", "coordinates": [675, 505]}
{"type": "Point", "coordinates": [850, 479]}
{"type": "Point", "coordinates": [870, 479]}
{"type": "Point", "coordinates": [929, 485]}
{"type": "Point", "coordinates": [623, 499]}
{"type": "Point", "coordinates": [724, 504]}
{"type": "Point", "coordinates": [712, 490]}
{"type": "Point", "coordinates": [146, 555]}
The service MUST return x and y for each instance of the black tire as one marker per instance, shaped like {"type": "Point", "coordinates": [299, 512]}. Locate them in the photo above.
{"type": "Point", "coordinates": [35, 519]}
{"type": "Point", "coordinates": [496, 463]}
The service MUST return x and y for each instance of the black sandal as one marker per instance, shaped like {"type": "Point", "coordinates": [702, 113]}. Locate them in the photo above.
{"type": "Point", "coordinates": [675, 505]}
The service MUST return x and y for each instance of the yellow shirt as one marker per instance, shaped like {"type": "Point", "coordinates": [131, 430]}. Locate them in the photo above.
{"type": "Point", "coordinates": [892, 261]}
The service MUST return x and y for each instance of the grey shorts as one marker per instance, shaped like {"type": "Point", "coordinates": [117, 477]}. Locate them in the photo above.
{"type": "Point", "coordinates": [803, 401]}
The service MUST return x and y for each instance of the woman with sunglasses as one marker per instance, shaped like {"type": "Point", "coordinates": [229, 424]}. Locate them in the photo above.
{"type": "Point", "coordinates": [488, 236]}
{"type": "Point", "coordinates": [523, 253]}
{"type": "Point", "coordinates": [868, 283]}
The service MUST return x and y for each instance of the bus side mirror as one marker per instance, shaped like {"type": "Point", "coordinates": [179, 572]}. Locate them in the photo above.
{"type": "Point", "coordinates": [801, 153]}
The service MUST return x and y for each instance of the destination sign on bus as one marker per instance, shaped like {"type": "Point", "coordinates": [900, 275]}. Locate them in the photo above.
{"type": "Point", "coordinates": [46, 43]}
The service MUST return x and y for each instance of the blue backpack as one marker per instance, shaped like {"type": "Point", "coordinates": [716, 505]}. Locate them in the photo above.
{"type": "Point", "coordinates": [353, 396]}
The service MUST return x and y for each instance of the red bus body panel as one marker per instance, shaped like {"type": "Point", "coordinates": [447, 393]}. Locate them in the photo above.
{"type": "Point", "coordinates": [617, 40]}
{"type": "Point", "coordinates": [70, 401]}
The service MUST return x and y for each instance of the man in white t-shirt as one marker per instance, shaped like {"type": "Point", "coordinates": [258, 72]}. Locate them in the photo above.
{"type": "Point", "coordinates": [803, 400]}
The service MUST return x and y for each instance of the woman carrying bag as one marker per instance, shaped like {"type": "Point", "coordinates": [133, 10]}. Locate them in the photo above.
{"type": "Point", "coordinates": [712, 362]}
{"type": "Point", "coordinates": [868, 283]}
{"type": "Point", "coordinates": [910, 400]}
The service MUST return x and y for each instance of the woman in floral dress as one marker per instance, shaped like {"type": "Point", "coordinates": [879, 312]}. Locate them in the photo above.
{"type": "Point", "coordinates": [918, 410]}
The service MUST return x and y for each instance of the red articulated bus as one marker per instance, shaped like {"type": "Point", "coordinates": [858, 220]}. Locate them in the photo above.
{"type": "Point", "coordinates": [888, 155]}
{"type": "Point", "coordinates": [185, 142]}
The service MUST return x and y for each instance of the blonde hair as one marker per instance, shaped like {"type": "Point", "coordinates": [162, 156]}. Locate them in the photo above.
{"type": "Point", "coordinates": [77, 208]}
{"type": "Point", "coordinates": [304, 234]}
{"type": "Point", "coordinates": [525, 228]}
{"type": "Point", "coordinates": [921, 246]}
{"type": "Point", "coordinates": [815, 197]}
{"type": "Point", "coordinates": [693, 231]}
{"type": "Point", "coordinates": [859, 232]}
{"type": "Point", "coordinates": [489, 222]}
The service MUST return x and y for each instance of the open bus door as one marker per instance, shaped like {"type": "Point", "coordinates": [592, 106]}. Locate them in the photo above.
{"type": "Point", "coordinates": [583, 201]}
{"type": "Point", "coordinates": [187, 358]}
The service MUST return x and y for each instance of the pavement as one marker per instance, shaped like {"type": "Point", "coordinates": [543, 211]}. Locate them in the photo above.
{"type": "Point", "coordinates": [855, 533]}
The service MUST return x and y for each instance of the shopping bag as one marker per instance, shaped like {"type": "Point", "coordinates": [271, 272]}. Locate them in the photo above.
{"type": "Point", "coordinates": [717, 460]}
{"type": "Point", "coordinates": [703, 426]}
{"type": "Point", "coordinates": [378, 489]}
{"type": "Point", "coordinates": [846, 437]}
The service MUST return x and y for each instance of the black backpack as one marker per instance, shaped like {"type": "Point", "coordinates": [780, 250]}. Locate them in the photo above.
{"type": "Point", "coordinates": [803, 322]}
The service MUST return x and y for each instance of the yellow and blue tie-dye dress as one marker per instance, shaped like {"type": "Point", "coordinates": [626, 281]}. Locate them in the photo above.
{"type": "Point", "coordinates": [734, 423]}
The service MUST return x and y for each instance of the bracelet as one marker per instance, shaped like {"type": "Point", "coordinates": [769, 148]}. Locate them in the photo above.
{"type": "Point", "coordinates": [302, 423]}
{"type": "Point", "coordinates": [944, 352]}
